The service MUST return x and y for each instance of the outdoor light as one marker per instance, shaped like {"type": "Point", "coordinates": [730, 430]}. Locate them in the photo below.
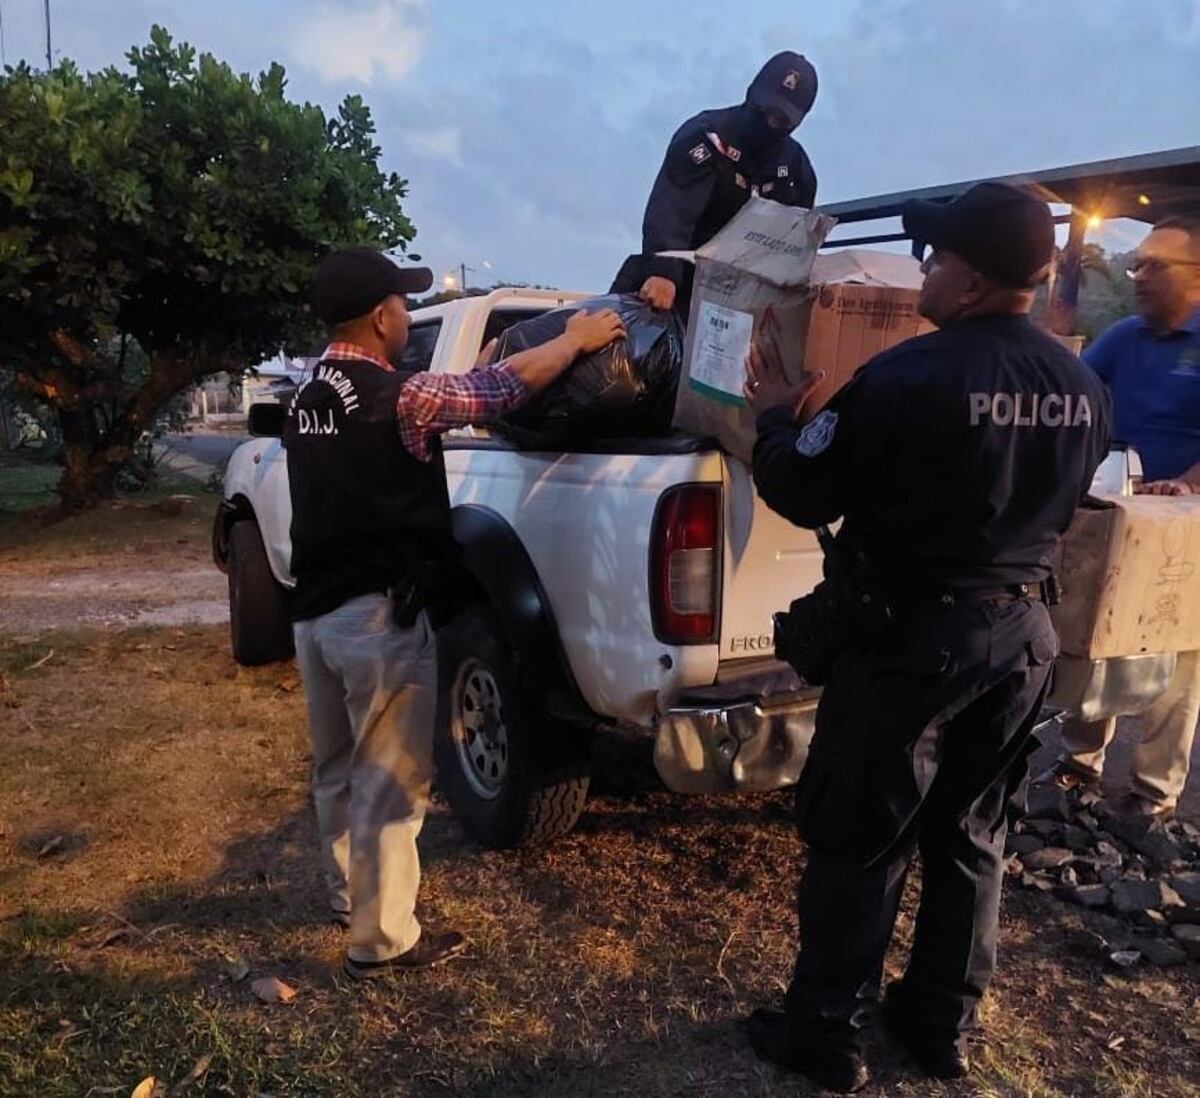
{"type": "Point", "coordinates": [1093, 221]}
{"type": "Point", "coordinates": [449, 281]}
{"type": "Point", "coordinates": [1143, 200]}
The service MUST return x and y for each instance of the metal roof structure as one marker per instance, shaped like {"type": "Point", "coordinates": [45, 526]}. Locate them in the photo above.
{"type": "Point", "coordinates": [1145, 188]}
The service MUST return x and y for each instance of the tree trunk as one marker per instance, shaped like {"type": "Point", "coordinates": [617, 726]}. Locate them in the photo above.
{"type": "Point", "coordinates": [91, 460]}
{"type": "Point", "coordinates": [1065, 303]}
{"type": "Point", "coordinates": [100, 430]}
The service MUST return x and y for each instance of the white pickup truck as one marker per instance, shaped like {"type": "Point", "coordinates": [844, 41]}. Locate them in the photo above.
{"type": "Point", "coordinates": [627, 584]}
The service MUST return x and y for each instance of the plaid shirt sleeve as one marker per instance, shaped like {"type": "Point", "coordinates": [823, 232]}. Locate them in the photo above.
{"type": "Point", "coordinates": [432, 403]}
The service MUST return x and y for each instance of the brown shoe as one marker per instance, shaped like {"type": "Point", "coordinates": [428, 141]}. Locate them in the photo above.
{"type": "Point", "coordinates": [1070, 779]}
{"type": "Point", "coordinates": [431, 949]}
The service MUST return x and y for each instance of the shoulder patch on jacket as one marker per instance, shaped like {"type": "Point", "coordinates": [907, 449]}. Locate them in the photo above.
{"type": "Point", "coordinates": [690, 158]}
{"type": "Point", "coordinates": [816, 435]}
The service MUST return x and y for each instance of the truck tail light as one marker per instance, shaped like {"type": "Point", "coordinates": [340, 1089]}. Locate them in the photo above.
{"type": "Point", "coordinates": [685, 564]}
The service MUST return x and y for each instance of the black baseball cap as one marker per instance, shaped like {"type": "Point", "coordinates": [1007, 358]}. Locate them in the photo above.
{"type": "Point", "coordinates": [350, 283]}
{"type": "Point", "coordinates": [1000, 230]}
{"type": "Point", "coordinates": [786, 83]}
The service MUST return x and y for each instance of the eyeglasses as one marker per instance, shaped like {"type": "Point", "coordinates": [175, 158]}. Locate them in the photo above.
{"type": "Point", "coordinates": [1153, 266]}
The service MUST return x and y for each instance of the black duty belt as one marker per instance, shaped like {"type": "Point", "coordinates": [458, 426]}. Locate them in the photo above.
{"type": "Point", "coordinates": [941, 599]}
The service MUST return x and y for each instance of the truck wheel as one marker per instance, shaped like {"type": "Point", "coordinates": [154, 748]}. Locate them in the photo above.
{"type": "Point", "coordinates": [511, 777]}
{"type": "Point", "coordinates": [259, 626]}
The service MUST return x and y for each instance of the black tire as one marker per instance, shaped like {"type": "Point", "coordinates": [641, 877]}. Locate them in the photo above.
{"type": "Point", "coordinates": [527, 783]}
{"type": "Point", "coordinates": [259, 627]}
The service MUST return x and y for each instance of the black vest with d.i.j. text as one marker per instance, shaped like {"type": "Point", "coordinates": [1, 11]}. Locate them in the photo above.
{"type": "Point", "coordinates": [364, 510]}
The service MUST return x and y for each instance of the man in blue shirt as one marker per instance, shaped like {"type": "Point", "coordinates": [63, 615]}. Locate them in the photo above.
{"type": "Point", "coordinates": [1151, 364]}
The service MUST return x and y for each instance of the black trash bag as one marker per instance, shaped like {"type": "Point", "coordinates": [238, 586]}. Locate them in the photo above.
{"type": "Point", "coordinates": [625, 390]}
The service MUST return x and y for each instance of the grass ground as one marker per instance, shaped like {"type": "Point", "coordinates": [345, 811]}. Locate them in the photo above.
{"type": "Point", "coordinates": [156, 839]}
{"type": "Point", "coordinates": [24, 485]}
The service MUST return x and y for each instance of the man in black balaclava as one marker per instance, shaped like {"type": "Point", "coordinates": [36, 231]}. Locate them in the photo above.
{"type": "Point", "coordinates": [715, 161]}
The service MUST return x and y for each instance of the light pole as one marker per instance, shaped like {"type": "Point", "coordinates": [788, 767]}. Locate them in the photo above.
{"type": "Point", "coordinates": [49, 62]}
{"type": "Point", "coordinates": [450, 282]}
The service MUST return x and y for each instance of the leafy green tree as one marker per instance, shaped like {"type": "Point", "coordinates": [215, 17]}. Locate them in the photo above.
{"type": "Point", "coordinates": [159, 225]}
{"type": "Point", "coordinates": [1107, 294]}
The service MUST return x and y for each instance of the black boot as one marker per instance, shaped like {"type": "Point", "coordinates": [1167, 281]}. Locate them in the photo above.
{"type": "Point", "coordinates": [827, 1054]}
{"type": "Point", "coordinates": [940, 1056]}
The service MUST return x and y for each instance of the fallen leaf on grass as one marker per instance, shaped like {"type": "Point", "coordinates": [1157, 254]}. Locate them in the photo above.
{"type": "Point", "coordinates": [235, 967]}
{"type": "Point", "coordinates": [199, 1069]}
{"type": "Point", "coordinates": [42, 662]}
{"type": "Point", "coordinates": [52, 846]}
{"type": "Point", "coordinates": [67, 1030]}
{"type": "Point", "coordinates": [287, 685]}
{"type": "Point", "coordinates": [107, 938]}
{"type": "Point", "coordinates": [1115, 1043]}
{"type": "Point", "coordinates": [271, 989]}
{"type": "Point", "coordinates": [148, 1088]}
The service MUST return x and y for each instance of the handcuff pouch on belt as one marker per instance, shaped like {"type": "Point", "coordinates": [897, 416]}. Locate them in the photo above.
{"type": "Point", "coordinates": [842, 613]}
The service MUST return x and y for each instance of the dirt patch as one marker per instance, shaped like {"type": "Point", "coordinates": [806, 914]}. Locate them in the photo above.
{"type": "Point", "coordinates": [125, 564]}
{"type": "Point", "coordinates": [617, 961]}
{"type": "Point", "coordinates": [71, 598]}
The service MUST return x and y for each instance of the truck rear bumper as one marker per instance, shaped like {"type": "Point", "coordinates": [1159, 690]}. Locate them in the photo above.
{"type": "Point", "coordinates": [754, 745]}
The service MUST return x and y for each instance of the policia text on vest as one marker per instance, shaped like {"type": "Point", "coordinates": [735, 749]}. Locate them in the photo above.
{"type": "Point", "coordinates": [1030, 409]}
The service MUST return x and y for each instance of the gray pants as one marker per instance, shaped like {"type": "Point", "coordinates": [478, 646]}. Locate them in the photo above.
{"type": "Point", "coordinates": [371, 689]}
{"type": "Point", "coordinates": [1160, 761]}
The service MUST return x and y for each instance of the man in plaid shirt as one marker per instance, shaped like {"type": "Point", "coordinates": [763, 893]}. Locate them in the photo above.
{"type": "Point", "coordinates": [370, 519]}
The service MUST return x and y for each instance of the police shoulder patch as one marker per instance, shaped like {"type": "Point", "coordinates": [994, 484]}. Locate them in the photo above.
{"type": "Point", "coordinates": [817, 435]}
{"type": "Point", "coordinates": [699, 153]}
{"type": "Point", "coordinates": [782, 171]}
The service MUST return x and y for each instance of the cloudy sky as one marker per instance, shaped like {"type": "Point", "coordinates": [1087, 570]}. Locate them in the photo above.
{"type": "Point", "coordinates": [530, 131]}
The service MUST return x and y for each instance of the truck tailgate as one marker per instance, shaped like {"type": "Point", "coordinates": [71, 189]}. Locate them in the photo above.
{"type": "Point", "coordinates": [767, 562]}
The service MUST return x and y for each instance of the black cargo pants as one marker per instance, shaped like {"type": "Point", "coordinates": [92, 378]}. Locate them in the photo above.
{"type": "Point", "coordinates": [919, 745]}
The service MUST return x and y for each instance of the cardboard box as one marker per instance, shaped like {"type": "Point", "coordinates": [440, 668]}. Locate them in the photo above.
{"type": "Point", "coordinates": [850, 324]}
{"type": "Point", "coordinates": [757, 279]}
{"type": "Point", "coordinates": [1130, 573]}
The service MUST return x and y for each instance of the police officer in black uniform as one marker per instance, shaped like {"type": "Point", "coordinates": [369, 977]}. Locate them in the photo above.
{"type": "Point", "coordinates": [955, 461]}
{"type": "Point", "coordinates": [715, 161]}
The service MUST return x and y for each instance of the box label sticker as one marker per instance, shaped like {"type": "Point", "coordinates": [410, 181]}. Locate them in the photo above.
{"type": "Point", "coordinates": [718, 368]}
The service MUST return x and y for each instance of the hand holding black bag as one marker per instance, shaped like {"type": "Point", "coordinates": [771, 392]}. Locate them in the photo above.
{"type": "Point", "coordinates": [624, 390]}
